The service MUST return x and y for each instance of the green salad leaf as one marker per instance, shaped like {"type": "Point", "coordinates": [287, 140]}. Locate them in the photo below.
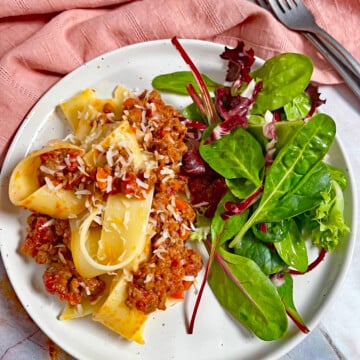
{"type": "Point", "coordinates": [253, 300]}
{"type": "Point", "coordinates": [328, 222]}
{"type": "Point", "coordinates": [284, 77]}
{"type": "Point", "coordinates": [176, 82]}
{"type": "Point", "coordinates": [285, 290]}
{"type": "Point", "coordinates": [236, 155]}
{"type": "Point", "coordinates": [287, 181]}
{"type": "Point", "coordinates": [267, 145]}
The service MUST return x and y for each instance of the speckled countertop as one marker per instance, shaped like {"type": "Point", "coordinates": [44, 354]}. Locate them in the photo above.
{"type": "Point", "coordinates": [336, 337]}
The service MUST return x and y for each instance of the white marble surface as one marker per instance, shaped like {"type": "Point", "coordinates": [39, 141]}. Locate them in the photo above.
{"type": "Point", "coordinates": [337, 336]}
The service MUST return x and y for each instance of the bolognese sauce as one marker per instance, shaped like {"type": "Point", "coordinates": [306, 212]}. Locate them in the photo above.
{"type": "Point", "coordinates": [172, 266]}
{"type": "Point", "coordinates": [48, 241]}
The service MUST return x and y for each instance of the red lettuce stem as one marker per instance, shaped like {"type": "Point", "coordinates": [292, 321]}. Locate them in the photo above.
{"type": "Point", "coordinates": [202, 287]}
{"type": "Point", "coordinates": [200, 81]}
{"type": "Point", "coordinates": [233, 208]}
{"type": "Point", "coordinates": [312, 266]}
{"type": "Point", "coordinates": [303, 328]}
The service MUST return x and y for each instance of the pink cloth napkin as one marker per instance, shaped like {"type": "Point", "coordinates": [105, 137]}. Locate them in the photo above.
{"type": "Point", "coordinates": [42, 40]}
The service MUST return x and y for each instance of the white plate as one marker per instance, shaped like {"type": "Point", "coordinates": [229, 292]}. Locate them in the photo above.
{"type": "Point", "coordinates": [216, 335]}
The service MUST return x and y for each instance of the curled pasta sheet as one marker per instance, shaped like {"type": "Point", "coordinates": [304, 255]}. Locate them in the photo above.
{"type": "Point", "coordinates": [117, 316]}
{"type": "Point", "coordinates": [85, 112]}
{"type": "Point", "coordinates": [122, 237]}
{"type": "Point", "coordinates": [122, 136]}
{"type": "Point", "coordinates": [124, 220]}
{"type": "Point", "coordinates": [111, 309]}
{"type": "Point", "coordinates": [25, 190]}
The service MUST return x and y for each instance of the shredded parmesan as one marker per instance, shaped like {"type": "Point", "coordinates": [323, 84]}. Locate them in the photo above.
{"type": "Point", "coordinates": [188, 278]}
{"type": "Point", "coordinates": [160, 250]}
{"type": "Point", "coordinates": [51, 186]}
{"type": "Point", "coordinates": [149, 277]}
{"type": "Point", "coordinates": [47, 170]}
{"type": "Point", "coordinates": [109, 181]}
{"type": "Point", "coordinates": [109, 156]}
{"type": "Point", "coordinates": [48, 223]}
{"type": "Point", "coordinates": [81, 165]}
{"type": "Point", "coordinates": [61, 257]}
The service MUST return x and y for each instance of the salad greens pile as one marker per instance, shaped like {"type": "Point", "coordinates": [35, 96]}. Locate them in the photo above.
{"type": "Point", "coordinates": [258, 180]}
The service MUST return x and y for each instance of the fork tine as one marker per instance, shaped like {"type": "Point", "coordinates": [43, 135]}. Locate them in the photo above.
{"type": "Point", "coordinates": [296, 16]}
{"type": "Point", "coordinates": [277, 6]}
{"type": "Point", "coordinates": [264, 4]}
{"type": "Point", "coordinates": [294, 3]}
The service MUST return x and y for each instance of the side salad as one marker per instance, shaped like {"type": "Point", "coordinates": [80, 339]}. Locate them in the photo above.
{"type": "Point", "coordinates": [259, 182]}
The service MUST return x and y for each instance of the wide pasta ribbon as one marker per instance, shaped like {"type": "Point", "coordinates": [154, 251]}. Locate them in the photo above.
{"type": "Point", "coordinates": [26, 191]}
{"type": "Point", "coordinates": [122, 236]}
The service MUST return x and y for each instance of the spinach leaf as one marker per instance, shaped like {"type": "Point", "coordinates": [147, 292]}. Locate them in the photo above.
{"type": "Point", "coordinates": [293, 248]}
{"type": "Point", "coordinates": [275, 231]}
{"type": "Point", "coordinates": [226, 229]}
{"type": "Point", "coordinates": [248, 294]}
{"type": "Point", "coordinates": [176, 82]}
{"type": "Point", "coordinates": [284, 77]}
{"type": "Point", "coordinates": [306, 195]}
{"type": "Point", "coordinates": [240, 187]}
{"type": "Point", "coordinates": [236, 155]}
{"type": "Point", "coordinates": [285, 290]}
{"type": "Point", "coordinates": [298, 107]}
{"type": "Point", "coordinates": [288, 189]}
{"type": "Point", "coordinates": [267, 260]}
{"type": "Point", "coordinates": [193, 112]}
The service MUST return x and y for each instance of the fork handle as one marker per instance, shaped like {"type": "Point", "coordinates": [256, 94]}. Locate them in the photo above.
{"type": "Point", "coordinates": [348, 76]}
{"type": "Point", "coordinates": [341, 51]}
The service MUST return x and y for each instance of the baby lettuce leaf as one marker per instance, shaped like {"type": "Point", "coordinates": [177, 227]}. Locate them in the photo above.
{"type": "Point", "coordinates": [248, 294]}
{"type": "Point", "coordinates": [176, 82]}
{"type": "Point", "coordinates": [222, 229]}
{"type": "Point", "coordinates": [236, 155]}
{"type": "Point", "coordinates": [267, 260]}
{"type": "Point", "coordinates": [329, 218]}
{"type": "Point", "coordinates": [287, 192]}
{"type": "Point", "coordinates": [284, 77]}
{"type": "Point", "coordinates": [285, 290]}
{"type": "Point", "coordinates": [338, 175]}
{"type": "Point", "coordinates": [293, 248]}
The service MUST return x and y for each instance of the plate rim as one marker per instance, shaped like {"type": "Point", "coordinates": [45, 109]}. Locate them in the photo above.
{"type": "Point", "coordinates": [294, 340]}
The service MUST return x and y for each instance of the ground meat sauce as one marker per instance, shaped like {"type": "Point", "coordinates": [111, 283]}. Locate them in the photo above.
{"type": "Point", "coordinates": [62, 167]}
{"type": "Point", "coordinates": [47, 242]}
{"type": "Point", "coordinates": [172, 266]}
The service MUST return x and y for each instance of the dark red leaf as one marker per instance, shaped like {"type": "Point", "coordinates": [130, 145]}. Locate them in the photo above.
{"type": "Point", "coordinates": [313, 91]}
{"type": "Point", "coordinates": [240, 62]}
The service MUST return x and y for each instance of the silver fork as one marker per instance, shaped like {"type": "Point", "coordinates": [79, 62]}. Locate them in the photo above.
{"type": "Point", "coordinates": [333, 58]}
{"type": "Point", "coordinates": [296, 16]}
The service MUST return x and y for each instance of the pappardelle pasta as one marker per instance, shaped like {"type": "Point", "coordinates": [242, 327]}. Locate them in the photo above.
{"type": "Point", "coordinates": [109, 212]}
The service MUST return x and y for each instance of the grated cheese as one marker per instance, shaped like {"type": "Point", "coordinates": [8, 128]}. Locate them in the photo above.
{"type": "Point", "coordinates": [109, 181]}
{"type": "Point", "coordinates": [47, 170]}
{"type": "Point", "coordinates": [47, 223]}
